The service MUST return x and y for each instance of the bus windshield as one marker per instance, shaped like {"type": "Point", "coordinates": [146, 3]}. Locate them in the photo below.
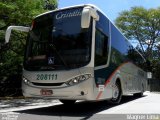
{"type": "Point", "coordinates": [57, 41]}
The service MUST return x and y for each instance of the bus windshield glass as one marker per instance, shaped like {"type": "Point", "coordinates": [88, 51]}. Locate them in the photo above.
{"type": "Point", "coordinates": [57, 41]}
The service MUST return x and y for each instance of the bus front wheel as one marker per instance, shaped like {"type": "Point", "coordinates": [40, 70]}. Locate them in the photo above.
{"type": "Point", "coordinates": [67, 102]}
{"type": "Point", "coordinates": [117, 94]}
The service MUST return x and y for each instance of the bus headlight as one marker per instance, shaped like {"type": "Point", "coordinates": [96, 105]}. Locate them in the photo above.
{"type": "Point", "coordinates": [26, 81]}
{"type": "Point", "coordinates": [78, 79]}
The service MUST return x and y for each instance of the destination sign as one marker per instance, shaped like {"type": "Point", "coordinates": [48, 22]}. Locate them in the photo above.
{"type": "Point", "coordinates": [68, 14]}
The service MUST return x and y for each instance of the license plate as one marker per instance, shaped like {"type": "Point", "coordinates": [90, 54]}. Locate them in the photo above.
{"type": "Point", "coordinates": [46, 92]}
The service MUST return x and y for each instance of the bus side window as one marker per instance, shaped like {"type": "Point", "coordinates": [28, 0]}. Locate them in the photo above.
{"type": "Point", "coordinates": [101, 42]}
{"type": "Point", "coordinates": [136, 57]}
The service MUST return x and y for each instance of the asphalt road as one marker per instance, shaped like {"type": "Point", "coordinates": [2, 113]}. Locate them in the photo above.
{"type": "Point", "coordinates": [131, 108]}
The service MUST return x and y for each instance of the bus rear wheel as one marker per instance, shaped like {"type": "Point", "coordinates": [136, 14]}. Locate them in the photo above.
{"type": "Point", "coordinates": [67, 102]}
{"type": "Point", "coordinates": [140, 94]}
{"type": "Point", "coordinates": [117, 94]}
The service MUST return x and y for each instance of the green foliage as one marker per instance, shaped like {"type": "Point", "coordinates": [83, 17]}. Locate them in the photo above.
{"type": "Point", "coordinates": [16, 12]}
{"type": "Point", "coordinates": [142, 25]}
{"type": "Point", "coordinates": [50, 4]}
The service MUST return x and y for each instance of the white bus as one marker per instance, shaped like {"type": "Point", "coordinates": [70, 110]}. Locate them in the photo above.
{"type": "Point", "coordinates": [76, 53]}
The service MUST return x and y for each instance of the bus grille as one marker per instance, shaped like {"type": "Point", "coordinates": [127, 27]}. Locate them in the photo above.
{"type": "Point", "coordinates": [47, 84]}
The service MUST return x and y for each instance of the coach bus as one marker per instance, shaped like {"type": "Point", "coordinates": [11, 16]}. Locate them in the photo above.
{"type": "Point", "coordinates": [76, 53]}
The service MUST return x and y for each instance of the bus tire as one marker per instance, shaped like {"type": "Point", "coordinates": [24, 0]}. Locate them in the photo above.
{"type": "Point", "coordinates": [117, 93]}
{"type": "Point", "coordinates": [141, 93]}
{"type": "Point", "coordinates": [67, 102]}
{"type": "Point", "coordinates": [138, 94]}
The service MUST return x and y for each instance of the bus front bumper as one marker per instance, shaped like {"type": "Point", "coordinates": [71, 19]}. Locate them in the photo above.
{"type": "Point", "coordinates": [81, 91]}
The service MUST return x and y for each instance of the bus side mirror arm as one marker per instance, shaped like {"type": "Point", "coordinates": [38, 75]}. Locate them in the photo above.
{"type": "Point", "coordinates": [10, 28]}
{"type": "Point", "coordinates": [87, 13]}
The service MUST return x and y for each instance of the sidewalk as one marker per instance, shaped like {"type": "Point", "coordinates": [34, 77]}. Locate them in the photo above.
{"type": "Point", "coordinates": [20, 103]}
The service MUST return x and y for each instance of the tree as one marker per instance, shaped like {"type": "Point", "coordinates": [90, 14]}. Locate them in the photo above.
{"type": "Point", "coordinates": [16, 12]}
{"type": "Point", "coordinates": [142, 25]}
{"type": "Point", "coordinates": [50, 5]}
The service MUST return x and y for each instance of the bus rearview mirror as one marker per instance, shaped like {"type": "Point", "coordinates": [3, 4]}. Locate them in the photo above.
{"type": "Point", "coordinates": [87, 13]}
{"type": "Point", "coordinates": [10, 28]}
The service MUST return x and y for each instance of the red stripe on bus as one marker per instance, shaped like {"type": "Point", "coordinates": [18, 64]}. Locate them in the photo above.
{"type": "Point", "coordinates": [109, 79]}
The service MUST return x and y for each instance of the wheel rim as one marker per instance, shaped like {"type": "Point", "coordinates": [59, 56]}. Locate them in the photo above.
{"type": "Point", "coordinates": [116, 92]}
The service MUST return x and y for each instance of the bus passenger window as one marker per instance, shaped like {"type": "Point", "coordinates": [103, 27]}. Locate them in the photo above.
{"type": "Point", "coordinates": [101, 42]}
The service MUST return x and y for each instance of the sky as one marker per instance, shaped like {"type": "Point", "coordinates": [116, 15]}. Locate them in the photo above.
{"type": "Point", "coordinates": [112, 8]}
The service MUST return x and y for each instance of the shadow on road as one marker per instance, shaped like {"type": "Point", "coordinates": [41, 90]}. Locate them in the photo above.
{"type": "Point", "coordinates": [80, 109]}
